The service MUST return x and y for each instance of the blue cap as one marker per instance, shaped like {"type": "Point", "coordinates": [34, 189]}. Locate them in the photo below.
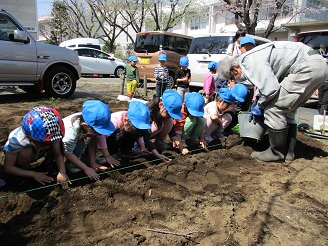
{"type": "Point", "coordinates": [133, 58]}
{"type": "Point", "coordinates": [139, 115]}
{"type": "Point", "coordinates": [172, 102]}
{"type": "Point", "coordinates": [247, 40]}
{"type": "Point", "coordinates": [184, 61]}
{"type": "Point", "coordinates": [195, 104]}
{"type": "Point", "coordinates": [212, 65]}
{"type": "Point", "coordinates": [227, 96]}
{"type": "Point", "coordinates": [240, 92]}
{"type": "Point", "coordinates": [325, 55]}
{"type": "Point", "coordinates": [162, 57]}
{"type": "Point", "coordinates": [97, 115]}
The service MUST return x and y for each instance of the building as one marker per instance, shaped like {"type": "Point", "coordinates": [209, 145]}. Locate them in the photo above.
{"type": "Point", "coordinates": [25, 12]}
{"type": "Point", "coordinates": [218, 20]}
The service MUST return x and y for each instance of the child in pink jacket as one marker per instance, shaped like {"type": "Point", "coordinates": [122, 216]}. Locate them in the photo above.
{"type": "Point", "coordinates": [209, 82]}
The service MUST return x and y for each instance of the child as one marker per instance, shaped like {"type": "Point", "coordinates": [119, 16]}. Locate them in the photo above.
{"type": "Point", "coordinates": [81, 132]}
{"type": "Point", "coordinates": [161, 72]}
{"type": "Point", "coordinates": [240, 92]}
{"type": "Point", "coordinates": [191, 125]}
{"type": "Point", "coordinates": [130, 126]}
{"type": "Point", "coordinates": [233, 49]}
{"type": "Point", "coordinates": [246, 44]}
{"type": "Point", "coordinates": [131, 73]}
{"type": "Point", "coordinates": [183, 77]}
{"type": "Point", "coordinates": [41, 131]}
{"type": "Point", "coordinates": [162, 113]}
{"type": "Point", "coordinates": [209, 83]}
{"type": "Point", "coordinates": [216, 117]}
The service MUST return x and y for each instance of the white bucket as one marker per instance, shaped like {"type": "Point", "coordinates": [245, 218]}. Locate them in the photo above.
{"type": "Point", "coordinates": [249, 129]}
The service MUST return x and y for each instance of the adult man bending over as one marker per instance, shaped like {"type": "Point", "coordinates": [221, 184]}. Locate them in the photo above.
{"type": "Point", "coordinates": [286, 75]}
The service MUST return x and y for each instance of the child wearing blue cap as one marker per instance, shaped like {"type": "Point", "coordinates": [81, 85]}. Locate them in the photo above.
{"type": "Point", "coordinates": [41, 132]}
{"type": "Point", "coordinates": [183, 77]}
{"type": "Point", "coordinates": [130, 126]}
{"type": "Point", "coordinates": [209, 82]}
{"type": "Point", "coordinates": [131, 74]}
{"type": "Point", "coordinates": [161, 74]}
{"type": "Point", "coordinates": [162, 113]}
{"type": "Point", "coordinates": [246, 43]}
{"type": "Point", "coordinates": [190, 126]}
{"type": "Point", "coordinates": [81, 131]}
{"type": "Point", "coordinates": [216, 117]}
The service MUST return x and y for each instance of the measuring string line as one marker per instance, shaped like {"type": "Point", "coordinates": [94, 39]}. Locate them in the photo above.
{"type": "Point", "coordinates": [104, 172]}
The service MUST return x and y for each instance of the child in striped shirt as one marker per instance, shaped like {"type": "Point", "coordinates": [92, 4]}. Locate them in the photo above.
{"type": "Point", "coordinates": [161, 73]}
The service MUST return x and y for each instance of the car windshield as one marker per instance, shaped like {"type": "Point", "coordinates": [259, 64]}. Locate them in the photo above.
{"type": "Point", "coordinates": [316, 41]}
{"type": "Point", "coordinates": [148, 43]}
{"type": "Point", "coordinates": [210, 45]}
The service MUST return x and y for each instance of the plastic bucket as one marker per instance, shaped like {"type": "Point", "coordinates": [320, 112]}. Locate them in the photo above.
{"type": "Point", "coordinates": [249, 129]}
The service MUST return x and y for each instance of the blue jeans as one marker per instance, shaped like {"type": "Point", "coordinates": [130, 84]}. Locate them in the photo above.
{"type": "Point", "coordinates": [183, 92]}
{"type": "Point", "coordinates": [160, 88]}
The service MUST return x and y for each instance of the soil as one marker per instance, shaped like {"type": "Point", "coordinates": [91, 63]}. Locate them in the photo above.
{"type": "Point", "coordinates": [216, 197]}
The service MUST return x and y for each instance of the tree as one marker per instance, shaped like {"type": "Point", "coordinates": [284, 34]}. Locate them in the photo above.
{"type": "Point", "coordinates": [82, 20]}
{"type": "Point", "coordinates": [108, 15]}
{"type": "Point", "coordinates": [57, 24]}
{"type": "Point", "coordinates": [247, 13]}
{"type": "Point", "coordinates": [45, 29]}
{"type": "Point", "coordinates": [156, 14]}
{"type": "Point", "coordinates": [167, 13]}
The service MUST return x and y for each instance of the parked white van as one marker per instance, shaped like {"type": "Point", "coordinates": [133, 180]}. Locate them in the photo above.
{"type": "Point", "coordinates": [81, 42]}
{"type": "Point", "coordinates": [205, 49]}
{"type": "Point", "coordinates": [34, 66]}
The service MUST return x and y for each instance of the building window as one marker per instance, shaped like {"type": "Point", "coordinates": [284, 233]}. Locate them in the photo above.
{"type": "Point", "coordinates": [267, 10]}
{"type": "Point", "coordinates": [230, 18]}
{"type": "Point", "coordinates": [321, 13]}
{"type": "Point", "coordinates": [199, 23]}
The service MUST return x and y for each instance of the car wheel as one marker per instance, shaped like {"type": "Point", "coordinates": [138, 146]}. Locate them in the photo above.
{"type": "Point", "coordinates": [170, 80]}
{"type": "Point", "coordinates": [59, 82]}
{"type": "Point", "coordinates": [118, 71]}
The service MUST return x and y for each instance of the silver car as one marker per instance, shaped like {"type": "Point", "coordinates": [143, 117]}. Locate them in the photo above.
{"type": "Point", "coordinates": [34, 66]}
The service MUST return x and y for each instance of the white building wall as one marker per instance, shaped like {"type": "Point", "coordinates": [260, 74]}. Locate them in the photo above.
{"type": "Point", "coordinates": [25, 11]}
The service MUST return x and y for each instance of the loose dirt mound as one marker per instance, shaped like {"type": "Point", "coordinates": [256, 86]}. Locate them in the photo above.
{"type": "Point", "coordinates": [220, 197]}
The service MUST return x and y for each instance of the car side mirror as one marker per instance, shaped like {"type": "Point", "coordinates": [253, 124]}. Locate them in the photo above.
{"type": "Point", "coordinates": [111, 58]}
{"type": "Point", "coordinates": [21, 36]}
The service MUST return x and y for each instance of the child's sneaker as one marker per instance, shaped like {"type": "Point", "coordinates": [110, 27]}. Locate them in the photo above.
{"type": "Point", "coordinates": [219, 135]}
{"type": "Point", "coordinates": [117, 157]}
{"type": "Point", "coordinates": [2, 182]}
{"type": "Point", "coordinates": [72, 168]}
{"type": "Point", "coordinates": [101, 160]}
{"type": "Point", "coordinates": [208, 139]}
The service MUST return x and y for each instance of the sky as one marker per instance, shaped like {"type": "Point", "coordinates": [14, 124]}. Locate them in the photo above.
{"type": "Point", "coordinates": [44, 6]}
